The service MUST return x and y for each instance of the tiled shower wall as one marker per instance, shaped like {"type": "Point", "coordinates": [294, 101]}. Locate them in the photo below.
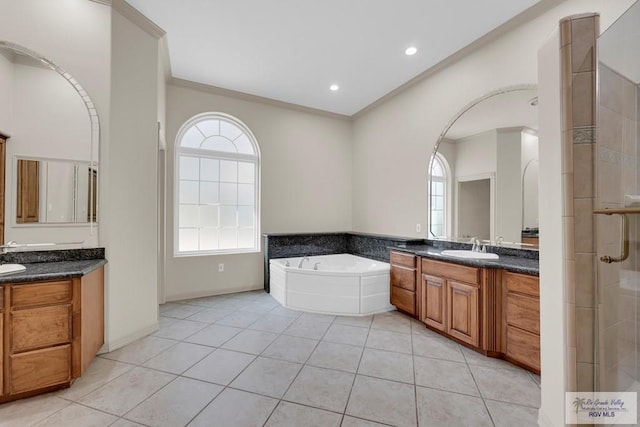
{"type": "Point", "coordinates": [578, 82]}
{"type": "Point", "coordinates": [616, 166]}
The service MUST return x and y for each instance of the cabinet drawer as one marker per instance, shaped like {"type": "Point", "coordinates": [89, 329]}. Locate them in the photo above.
{"type": "Point", "coordinates": [1, 298]}
{"type": "Point", "coordinates": [452, 271]}
{"type": "Point", "coordinates": [524, 312]}
{"type": "Point", "coordinates": [40, 368]}
{"type": "Point", "coordinates": [403, 278]}
{"type": "Point", "coordinates": [403, 299]}
{"type": "Point", "coordinates": [41, 294]}
{"type": "Point", "coordinates": [523, 347]}
{"type": "Point", "coordinates": [404, 260]}
{"type": "Point", "coordinates": [40, 327]}
{"type": "Point", "coordinates": [522, 283]}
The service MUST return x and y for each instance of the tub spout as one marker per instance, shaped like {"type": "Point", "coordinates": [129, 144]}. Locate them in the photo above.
{"type": "Point", "coordinates": [302, 261]}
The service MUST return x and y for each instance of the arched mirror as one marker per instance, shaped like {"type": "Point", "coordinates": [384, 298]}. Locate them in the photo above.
{"type": "Point", "coordinates": [51, 132]}
{"type": "Point", "coordinates": [483, 175]}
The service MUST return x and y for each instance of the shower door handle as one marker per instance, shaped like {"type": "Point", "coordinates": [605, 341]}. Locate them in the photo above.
{"type": "Point", "coordinates": [624, 243]}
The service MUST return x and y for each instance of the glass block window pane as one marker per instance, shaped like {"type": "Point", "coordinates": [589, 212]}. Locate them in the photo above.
{"type": "Point", "coordinates": [189, 192]}
{"type": "Point", "coordinates": [209, 170]}
{"type": "Point", "coordinates": [188, 239]}
{"type": "Point", "coordinates": [246, 172]}
{"type": "Point", "coordinates": [189, 168]}
{"type": "Point", "coordinates": [217, 173]}
{"type": "Point", "coordinates": [209, 127]}
{"type": "Point", "coordinates": [228, 171]}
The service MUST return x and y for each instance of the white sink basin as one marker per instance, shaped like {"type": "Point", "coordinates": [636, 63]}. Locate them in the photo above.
{"type": "Point", "coordinates": [469, 254]}
{"type": "Point", "coordinates": [11, 268]}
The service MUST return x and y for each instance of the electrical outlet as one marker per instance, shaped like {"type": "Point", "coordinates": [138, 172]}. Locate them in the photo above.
{"type": "Point", "coordinates": [418, 228]}
{"type": "Point", "coordinates": [220, 268]}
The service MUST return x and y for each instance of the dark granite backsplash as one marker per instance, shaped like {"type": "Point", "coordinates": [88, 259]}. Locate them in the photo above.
{"type": "Point", "coordinates": [500, 250]}
{"type": "Point", "coordinates": [308, 244]}
{"type": "Point", "coordinates": [30, 257]}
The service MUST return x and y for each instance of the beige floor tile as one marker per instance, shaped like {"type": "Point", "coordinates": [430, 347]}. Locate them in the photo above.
{"type": "Point", "coordinates": [442, 408]}
{"type": "Point", "coordinates": [507, 386]}
{"type": "Point", "coordinates": [214, 335]}
{"type": "Point", "coordinates": [128, 390]}
{"type": "Point", "coordinates": [249, 341]}
{"type": "Point", "coordinates": [99, 372]}
{"type": "Point", "coordinates": [387, 365]}
{"type": "Point", "coordinates": [317, 317]}
{"type": "Point", "coordinates": [290, 414]}
{"type": "Point", "coordinates": [348, 421]}
{"type": "Point", "coordinates": [293, 349]}
{"type": "Point", "coordinates": [444, 375]}
{"type": "Point", "coordinates": [175, 404]}
{"type": "Point", "coordinates": [179, 329]}
{"type": "Point", "coordinates": [306, 328]}
{"type": "Point", "coordinates": [178, 311]}
{"type": "Point", "coordinates": [475, 358]}
{"type": "Point", "coordinates": [360, 321]}
{"type": "Point", "coordinates": [340, 357]}
{"type": "Point", "coordinates": [141, 350]}
{"type": "Point", "coordinates": [125, 423]}
{"type": "Point", "coordinates": [236, 408]}
{"type": "Point", "coordinates": [239, 319]}
{"type": "Point", "coordinates": [272, 323]}
{"type": "Point", "coordinates": [383, 401]}
{"type": "Point", "coordinates": [508, 414]}
{"type": "Point", "coordinates": [179, 358]}
{"type": "Point", "coordinates": [344, 334]}
{"type": "Point", "coordinates": [437, 347]}
{"type": "Point", "coordinates": [285, 312]}
{"type": "Point", "coordinates": [270, 377]}
{"type": "Point", "coordinates": [76, 415]}
{"type": "Point", "coordinates": [26, 412]}
{"type": "Point", "coordinates": [390, 341]}
{"type": "Point", "coordinates": [211, 315]}
{"type": "Point", "coordinates": [392, 321]}
{"type": "Point", "coordinates": [321, 388]}
{"type": "Point", "coordinates": [220, 367]}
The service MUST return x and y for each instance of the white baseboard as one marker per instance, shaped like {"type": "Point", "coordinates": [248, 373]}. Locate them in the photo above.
{"type": "Point", "coordinates": [210, 293]}
{"type": "Point", "coordinates": [128, 339]}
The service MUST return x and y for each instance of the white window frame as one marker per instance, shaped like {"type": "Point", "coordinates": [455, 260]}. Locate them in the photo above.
{"type": "Point", "coordinates": [446, 214]}
{"type": "Point", "coordinates": [217, 155]}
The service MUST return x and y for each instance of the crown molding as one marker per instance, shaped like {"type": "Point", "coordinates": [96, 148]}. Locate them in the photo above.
{"type": "Point", "coordinates": [135, 16]}
{"type": "Point", "coordinates": [201, 87]}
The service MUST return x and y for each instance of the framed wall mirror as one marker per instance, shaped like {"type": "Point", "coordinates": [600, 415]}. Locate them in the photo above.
{"type": "Point", "coordinates": [50, 167]}
{"type": "Point", "coordinates": [483, 173]}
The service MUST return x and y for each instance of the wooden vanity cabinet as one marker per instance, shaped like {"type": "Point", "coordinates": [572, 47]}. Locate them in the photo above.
{"type": "Point", "coordinates": [403, 282]}
{"type": "Point", "coordinates": [451, 299]}
{"type": "Point", "coordinates": [51, 331]}
{"type": "Point", "coordinates": [522, 319]}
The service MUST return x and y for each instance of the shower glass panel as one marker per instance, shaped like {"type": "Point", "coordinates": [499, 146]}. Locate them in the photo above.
{"type": "Point", "coordinates": [617, 340]}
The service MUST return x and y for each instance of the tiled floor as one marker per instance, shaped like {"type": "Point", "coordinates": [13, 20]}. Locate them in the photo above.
{"type": "Point", "coordinates": [243, 360]}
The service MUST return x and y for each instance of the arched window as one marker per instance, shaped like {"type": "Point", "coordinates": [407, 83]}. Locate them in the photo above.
{"type": "Point", "coordinates": [217, 187]}
{"type": "Point", "coordinates": [439, 196]}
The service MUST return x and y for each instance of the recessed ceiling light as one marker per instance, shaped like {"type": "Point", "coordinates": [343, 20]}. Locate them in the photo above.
{"type": "Point", "coordinates": [411, 50]}
{"type": "Point", "coordinates": [334, 87]}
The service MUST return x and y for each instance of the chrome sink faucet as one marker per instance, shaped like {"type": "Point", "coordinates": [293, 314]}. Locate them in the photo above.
{"type": "Point", "coordinates": [302, 260]}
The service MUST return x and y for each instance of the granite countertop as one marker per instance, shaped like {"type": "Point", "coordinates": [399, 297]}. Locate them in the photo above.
{"type": "Point", "coordinates": [515, 264]}
{"type": "Point", "coordinates": [52, 265]}
{"type": "Point", "coordinates": [40, 271]}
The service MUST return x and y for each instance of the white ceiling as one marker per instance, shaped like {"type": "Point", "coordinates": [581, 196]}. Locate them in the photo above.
{"type": "Point", "coordinates": [292, 50]}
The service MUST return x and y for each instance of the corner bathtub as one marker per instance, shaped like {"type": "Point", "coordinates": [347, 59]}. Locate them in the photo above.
{"type": "Point", "coordinates": [342, 284]}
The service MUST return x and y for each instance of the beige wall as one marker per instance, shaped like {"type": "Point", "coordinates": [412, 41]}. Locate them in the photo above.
{"type": "Point", "coordinates": [128, 228]}
{"type": "Point", "coordinates": [306, 184]}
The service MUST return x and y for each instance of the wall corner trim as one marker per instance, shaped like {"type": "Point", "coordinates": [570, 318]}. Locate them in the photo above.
{"type": "Point", "coordinates": [135, 16]}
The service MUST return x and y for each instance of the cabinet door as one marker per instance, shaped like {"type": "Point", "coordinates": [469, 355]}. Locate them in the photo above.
{"type": "Point", "coordinates": [1, 345]}
{"type": "Point", "coordinates": [463, 312]}
{"type": "Point", "coordinates": [404, 300]}
{"type": "Point", "coordinates": [37, 369]}
{"type": "Point", "coordinates": [434, 297]}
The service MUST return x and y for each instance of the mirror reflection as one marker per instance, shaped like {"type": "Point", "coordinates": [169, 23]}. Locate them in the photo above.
{"type": "Point", "coordinates": [54, 191]}
{"type": "Point", "coordinates": [484, 172]}
{"type": "Point", "coordinates": [50, 159]}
